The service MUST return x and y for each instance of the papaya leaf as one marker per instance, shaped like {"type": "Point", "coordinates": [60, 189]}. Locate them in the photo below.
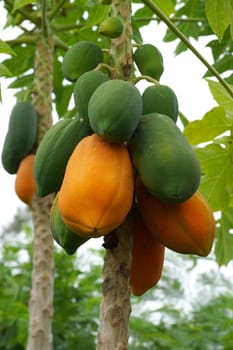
{"type": "Point", "coordinates": [97, 14]}
{"type": "Point", "coordinates": [5, 48]}
{"type": "Point", "coordinates": [22, 81]}
{"type": "Point", "coordinates": [183, 119]}
{"type": "Point", "coordinates": [220, 16]}
{"type": "Point", "coordinates": [221, 96]}
{"type": "Point", "coordinates": [217, 169]}
{"type": "Point", "coordinates": [4, 71]}
{"type": "Point", "coordinates": [22, 61]}
{"type": "Point", "coordinates": [224, 238]}
{"type": "Point", "coordinates": [20, 3]}
{"type": "Point", "coordinates": [213, 123]}
{"type": "Point", "coordinates": [166, 6]}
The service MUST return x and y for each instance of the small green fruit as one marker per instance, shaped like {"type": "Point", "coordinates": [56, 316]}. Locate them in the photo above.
{"type": "Point", "coordinates": [80, 58]}
{"type": "Point", "coordinates": [111, 27]}
{"type": "Point", "coordinates": [149, 61]}
{"type": "Point", "coordinates": [161, 99]}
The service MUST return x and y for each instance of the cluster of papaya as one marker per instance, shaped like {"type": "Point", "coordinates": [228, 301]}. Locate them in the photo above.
{"type": "Point", "coordinates": [121, 153]}
{"type": "Point", "coordinates": [17, 154]}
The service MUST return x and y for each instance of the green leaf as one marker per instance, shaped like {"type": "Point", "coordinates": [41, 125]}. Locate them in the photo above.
{"type": "Point", "coordinates": [5, 48]}
{"type": "Point", "coordinates": [217, 168]}
{"type": "Point", "coordinates": [221, 96]}
{"type": "Point", "coordinates": [22, 61]}
{"type": "Point", "coordinates": [97, 14]}
{"type": "Point", "coordinates": [224, 238]}
{"type": "Point", "coordinates": [22, 81]}
{"type": "Point", "coordinates": [166, 6]}
{"type": "Point", "coordinates": [20, 3]}
{"type": "Point", "coordinates": [220, 15]}
{"type": "Point", "coordinates": [213, 123]}
{"type": "Point", "coordinates": [4, 71]}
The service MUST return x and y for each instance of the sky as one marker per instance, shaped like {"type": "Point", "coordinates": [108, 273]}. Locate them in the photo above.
{"type": "Point", "coordinates": [182, 73]}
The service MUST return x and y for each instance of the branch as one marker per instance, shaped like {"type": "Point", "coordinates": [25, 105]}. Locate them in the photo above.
{"type": "Point", "coordinates": [172, 19]}
{"type": "Point", "coordinates": [181, 36]}
{"type": "Point", "coordinates": [64, 27]}
{"type": "Point", "coordinates": [23, 39]}
{"type": "Point", "coordinates": [56, 9]}
{"type": "Point", "coordinates": [44, 21]}
{"type": "Point", "coordinates": [58, 43]}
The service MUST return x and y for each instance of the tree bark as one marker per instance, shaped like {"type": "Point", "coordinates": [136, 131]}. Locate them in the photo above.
{"type": "Point", "coordinates": [115, 306]}
{"type": "Point", "coordinates": [41, 297]}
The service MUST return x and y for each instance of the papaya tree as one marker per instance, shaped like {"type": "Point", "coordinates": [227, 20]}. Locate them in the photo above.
{"type": "Point", "coordinates": [119, 165]}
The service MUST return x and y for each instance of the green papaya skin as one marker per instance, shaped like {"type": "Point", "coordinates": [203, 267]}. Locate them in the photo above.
{"type": "Point", "coordinates": [114, 110]}
{"type": "Point", "coordinates": [164, 160]}
{"type": "Point", "coordinates": [84, 87]}
{"type": "Point", "coordinates": [64, 237]}
{"type": "Point", "coordinates": [160, 99]}
{"type": "Point", "coordinates": [149, 61]}
{"type": "Point", "coordinates": [21, 136]}
{"type": "Point", "coordinates": [111, 27]}
{"type": "Point", "coordinates": [80, 58]}
{"type": "Point", "coordinates": [54, 152]}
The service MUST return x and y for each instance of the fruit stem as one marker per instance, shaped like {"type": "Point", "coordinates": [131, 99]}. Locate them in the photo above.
{"type": "Point", "coordinates": [145, 77]}
{"type": "Point", "coordinates": [181, 36]}
{"type": "Point", "coordinates": [110, 69]}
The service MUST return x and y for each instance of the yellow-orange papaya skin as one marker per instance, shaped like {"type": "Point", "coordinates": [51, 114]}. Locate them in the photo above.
{"type": "Point", "coordinates": [25, 185]}
{"type": "Point", "coordinates": [98, 186]}
{"type": "Point", "coordinates": [147, 259]}
{"type": "Point", "coordinates": [187, 228]}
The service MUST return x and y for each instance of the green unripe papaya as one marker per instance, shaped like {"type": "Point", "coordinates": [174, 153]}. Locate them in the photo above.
{"type": "Point", "coordinates": [84, 88]}
{"type": "Point", "coordinates": [80, 58]}
{"type": "Point", "coordinates": [21, 136]}
{"type": "Point", "coordinates": [160, 99]}
{"type": "Point", "coordinates": [149, 61]}
{"type": "Point", "coordinates": [111, 27]}
{"type": "Point", "coordinates": [66, 238]}
{"type": "Point", "coordinates": [114, 110]}
{"type": "Point", "coordinates": [164, 160]}
{"type": "Point", "coordinates": [54, 152]}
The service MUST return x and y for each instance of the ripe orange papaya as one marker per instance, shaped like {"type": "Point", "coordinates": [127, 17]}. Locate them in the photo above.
{"type": "Point", "coordinates": [97, 189]}
{"type": "Point", "coordinates": [25, 185]}
{"type": "Point", "coordinates": [147, 258]}
{"type": "Point", "coordinates": [187, 228]}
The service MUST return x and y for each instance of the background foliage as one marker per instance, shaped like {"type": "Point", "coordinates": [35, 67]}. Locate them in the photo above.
{"type": "Point", "coordinates": [189, 308]}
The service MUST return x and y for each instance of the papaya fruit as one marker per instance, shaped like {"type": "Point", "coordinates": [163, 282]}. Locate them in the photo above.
{"type": "Point", "coordinates": [114, 110]}
{"type": "Point", "coordinates": [111, 27]}
{"type": "Point", "coordinates": [54, 151]}
{"type": "Point", "coordinates": [149, 61]}
{"type": "Point", "coordinates": [65, 238]}
{"type": "Point", "coordinates": [84, 88]}
{"type": "Point", "coordinates": [97, 190]}
{"type": "Point", "coordinates": [147, 258]}
{"type": "Point", "coordinates": [161, 99]}
{"type": "Point", "coordinates": [187, 228]}
{"type": "Point", "coordinates": [80, 58]}
{"type": "Point", "coordinates": [21, 136]}
{"type": "Point", "coordinates": [164, 160]}
{"type": "Point", "coordinates": [25, 185]}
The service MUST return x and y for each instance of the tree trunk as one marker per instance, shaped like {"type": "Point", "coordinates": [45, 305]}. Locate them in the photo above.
{"type": "Point", "coordinates": [115, 307]}
{"type": "Point", "coordinates": [41, 298]}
